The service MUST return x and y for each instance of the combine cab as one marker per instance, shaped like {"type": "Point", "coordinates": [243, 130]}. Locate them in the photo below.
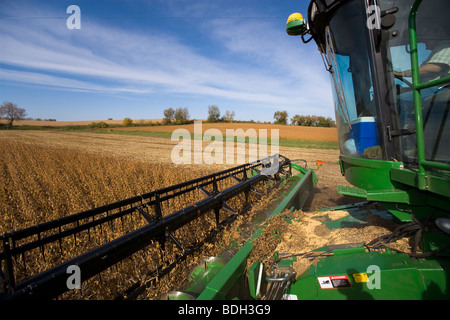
{"type": "Point", "coordinates": [389, 68]}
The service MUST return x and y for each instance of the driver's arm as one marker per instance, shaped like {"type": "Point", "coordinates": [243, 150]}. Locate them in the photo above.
{"type": "Point", "coordinates": [428, 69]}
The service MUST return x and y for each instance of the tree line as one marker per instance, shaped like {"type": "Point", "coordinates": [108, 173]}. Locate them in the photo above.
{"type": "Point", "coordinates": [181, 115]}
{"type": "Point", "coordinates": [11, 112]}
{"type": "Point", "coordinates": [281, 117]}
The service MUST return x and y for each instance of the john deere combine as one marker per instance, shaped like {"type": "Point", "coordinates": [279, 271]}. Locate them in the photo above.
{"type": "Point", "coordinates": [389, 64]}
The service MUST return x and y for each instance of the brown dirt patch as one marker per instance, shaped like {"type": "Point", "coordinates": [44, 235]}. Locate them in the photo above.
{"type": "Point", "coordinates": [78, 123]}
{"type": "Point", "coordinates": [285, 132]}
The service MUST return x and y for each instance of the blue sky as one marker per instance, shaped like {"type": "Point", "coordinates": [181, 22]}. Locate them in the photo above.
{"type": "Point", "coordinates": [136, 58]}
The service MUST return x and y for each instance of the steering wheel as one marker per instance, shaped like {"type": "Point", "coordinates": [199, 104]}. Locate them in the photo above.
{"type": "Point", "coordinates": [409, 84]}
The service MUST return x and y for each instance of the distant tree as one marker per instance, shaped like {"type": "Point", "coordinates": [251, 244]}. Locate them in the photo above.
{"type": "Point", "coordinates": [213, 113]}
{"type": "Point", "coordinates": [297, 120]}
{"type": "Point", "coordinates": [326, 122]}
{"type": "Point", "coordinates": [127, 122]}
{"type": "Point", "coordinates": [312, 121]}
{"type": "Point", "coordinates": [228, 116]}
{"type": "Point", "coordinates": [280, 117]}
{"type": "Point", "coordinates": [181, 115]}
{"type": "Point", "coordinates": [11, 112]}
{"type": "Point", "coordinates": [169, 114]}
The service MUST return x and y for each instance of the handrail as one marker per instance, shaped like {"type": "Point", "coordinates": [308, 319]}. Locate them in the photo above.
{"type": "Point", "coordinates": [417, 87]}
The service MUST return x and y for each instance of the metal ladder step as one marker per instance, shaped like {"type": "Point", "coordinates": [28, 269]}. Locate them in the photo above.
{"type": "Point", "coordinates": [352, 192]}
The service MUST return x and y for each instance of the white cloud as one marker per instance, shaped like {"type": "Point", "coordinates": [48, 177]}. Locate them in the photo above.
{"type": "Point", "coordinates": [264, 67]}
{"type": "Point", "coordinates": [44, 80]}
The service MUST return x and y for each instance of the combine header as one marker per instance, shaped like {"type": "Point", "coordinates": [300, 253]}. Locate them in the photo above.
{"type": "Point", "coordinates": [246, 183]}
{"type": "Point", "coordinates": [389, 68]}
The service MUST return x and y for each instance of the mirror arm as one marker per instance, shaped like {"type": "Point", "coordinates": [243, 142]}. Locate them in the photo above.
{"type": "Point", "coordinates": [307, 40]}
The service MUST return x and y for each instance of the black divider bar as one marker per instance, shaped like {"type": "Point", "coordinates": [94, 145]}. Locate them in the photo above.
{"type": "Point", "coordinates": [34, 230]}
{"type": "Point", "coordinates": [52, 283]}
{"type": "Point", "coordinates": [160, 195]}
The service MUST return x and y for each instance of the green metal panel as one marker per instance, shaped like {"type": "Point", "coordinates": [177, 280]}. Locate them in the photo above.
{"type": "Point", "coordinates": [398, 188]}
{"type": "Point", "coordinates": [399, 276]}
{"type": "Point", "coordinates": [219, 287]}
{"type": "Point", "coordinates": [368, 174]}
{"type": "Point", "coordinates": [434, 183]}
{"type": "Point", "coordinates": [253, 278]}
{"type": "Point", "coordinates": [395, 276]}
{"type": "Point", "coordinates": [393, 195]}
{"type": "Point", "coordinates": [204, 273]}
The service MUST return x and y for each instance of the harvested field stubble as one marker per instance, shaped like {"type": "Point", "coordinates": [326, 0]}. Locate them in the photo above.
{"type": "Point", "coordinates": [299, 233]}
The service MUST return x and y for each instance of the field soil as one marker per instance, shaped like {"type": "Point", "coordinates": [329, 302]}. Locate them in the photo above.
{"type": "Point", "coordinates": [48, 123]}
{"type": "Point", "coordinates": [285, 132]}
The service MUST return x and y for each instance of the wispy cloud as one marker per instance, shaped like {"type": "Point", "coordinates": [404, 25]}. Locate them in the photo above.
{"type": "Point", "coordinates": [258, 63]}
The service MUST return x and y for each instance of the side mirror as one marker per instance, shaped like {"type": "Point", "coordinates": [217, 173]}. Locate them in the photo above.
{"type": "Point", "coordinates": [296, 25]}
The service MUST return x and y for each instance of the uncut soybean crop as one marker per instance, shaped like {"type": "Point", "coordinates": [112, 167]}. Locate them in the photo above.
{"type": "Point", "coordinates": [41, 183]}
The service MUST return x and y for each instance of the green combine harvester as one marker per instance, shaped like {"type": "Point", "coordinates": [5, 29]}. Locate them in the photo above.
{"type": "Point", "coordinates": [389, 67]}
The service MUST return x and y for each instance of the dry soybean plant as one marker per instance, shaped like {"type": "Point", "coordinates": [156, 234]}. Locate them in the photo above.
{"type": "Point", "coordinates": [43, 183]}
